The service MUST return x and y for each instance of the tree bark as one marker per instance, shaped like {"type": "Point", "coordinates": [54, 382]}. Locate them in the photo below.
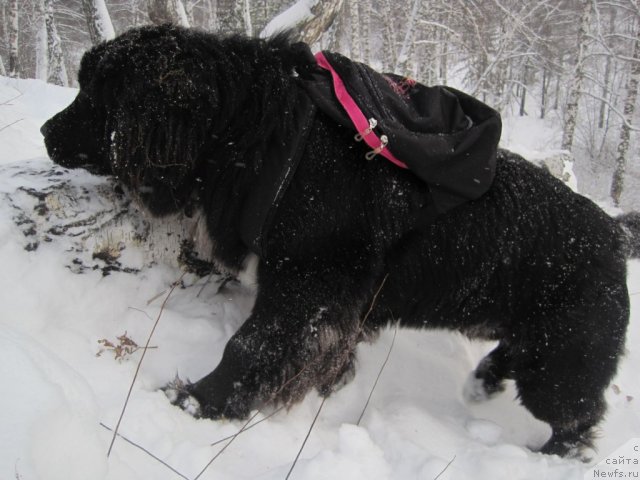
{"type": "Point", "coordinates": [443, 52]}
{"type": "Point", "coordinates": [167, 11]}
{"type": "Point", "coordinates": [213, 25]}
{"type": "Point", "coordinates": [57, 71]}
{"type": "Point", "coordinates": [402, 61]}
{"type": "Point", "coordinates": [231, 17]}
{"type": "Point", "coordinates": [14, 67]}
{"type": "Point", "coordinates": [617, 185]}
{"type": "Point", "coordinates": [365, 32]}
{"type": "Point", "coordinates": [571, 110]}
{"type": "Point", "coordinates": [556, 97]}
{"type": "Point", "coordinates": [523, 98]}
{"type": "Point", "coordinates": [307, 19]}
{"type": "Point", "coordinates": [98, 21]}
{"type": "Point", "coordinates": [246, 17]}
{"type": "Point", "coordinates": [388, 53]}
{"type": "Point", "coordinates": [188, 10]}
{"type": "Point", "coordinates": [544, 88]}
{"type": "Point", "coordinates": [42, 55]}
{"type": "Point", "coordinates": [354, 20]}
{"type": "Point", "coordinates": [607, 75]}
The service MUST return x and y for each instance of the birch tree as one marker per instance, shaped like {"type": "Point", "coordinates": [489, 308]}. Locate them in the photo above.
{"type": "Point", "coordinates": [443, 53]}
{"type": "Point", "coordinates": [167, 11]}
{"type": "Point", "coordinates": [42, 55]}
{"type": "Point", "coordinates": [307, 19]}
{"type": "Point", "coordinates": [617, 185]}
{"type": "Point", "coordinates": [56, 69]}
{"type": "Point", "coordinates": [389, 54]}
{"type": "Point", "coordinates": [245, 11]}
{"type": "Point", "coordinates": [571, 109]}
{"type": "Point", "coordinates": [188, 10]}
{"type": "Point", "coordinates": [98, 21]}
{"type": "Point", "coordinates": [13, 26]}
{"type": "Point", "coordinates": [355, 33]}
{"type": "Point", "coordinates": [365, 29]}
{"type": "Point", "coordinates": [212, 24]}
{"type": "Point", "coordinates": [402, 60]}
{"type": "Point", "coordinates": [607, 73]}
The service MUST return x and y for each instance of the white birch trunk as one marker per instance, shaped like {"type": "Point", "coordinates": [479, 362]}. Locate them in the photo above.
{"type": "Point", "coordinates": [354, 20]}
{"type": "Point", "coordinates": [98, 21]}
{"type": "Point", "coordinates": [308, 19]}
{"type": "Point", "coordinates": [617, 185]}
{"type": "Point", "coordinates": [365, 33]}
{"type": "Point", "coordinates": [188, 10]}
{"type": "Point", "coordinates": [57, 71]}
{"type": "Point", "coordinates": [42, 55]}
{"type": "Point", "coordinates": [213, 24]}
{"type": "Point", "coordinates": [388, 53]}
{"type": "Point", "coordinates": [571, 109]}
{"type": "Point", "coordinates": [14, 67]}
{"type": "Point", "coordinates": [2, 70]}
{"type": "Point", "coordinates": [607, 75]}
{"type": "Point", "coordinates": [167, 11]}
{"type": "Point", "coordinates": [443, 51]}
{"type": "Point", "coordinates": [246, 16]}
{"type": "Point", "coordinates": [402, 61]}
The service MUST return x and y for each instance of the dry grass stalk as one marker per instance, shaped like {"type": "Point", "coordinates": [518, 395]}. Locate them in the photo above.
{"type": "Point", "coordinates": [144, 352]}
{"type": "Point", "coordinates": [140, 447]}
{"type": "Point", "coordinates": [351, 343]}
{"type": "Point", "coordinates": [445, 468]}
{"type": "Point", "coordinates": [375, 384]}
{"type": "Point", "coordinates": [350, 346]}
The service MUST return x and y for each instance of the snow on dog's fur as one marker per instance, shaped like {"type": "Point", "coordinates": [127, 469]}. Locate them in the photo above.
{"type": "Point", "coordinates": [183, 118]}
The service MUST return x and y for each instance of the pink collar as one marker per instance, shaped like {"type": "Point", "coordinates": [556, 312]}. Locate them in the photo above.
{"type": "Point", "coordinates": [364, 126]}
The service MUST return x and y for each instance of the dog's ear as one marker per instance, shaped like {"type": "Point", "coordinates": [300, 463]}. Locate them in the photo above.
{"type": "Point", "coordinates": [159, 113]}
{"type": "Point", "coordinates": [156, 155]}
{"type": "Point", "coordinates": [89, 64]}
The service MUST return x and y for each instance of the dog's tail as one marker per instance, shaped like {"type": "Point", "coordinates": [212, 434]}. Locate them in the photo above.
{"type": "Point", "coordinates": [630, 223]}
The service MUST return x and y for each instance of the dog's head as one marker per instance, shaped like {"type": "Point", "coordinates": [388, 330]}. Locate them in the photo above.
{"type": "Point", "coordinates": [148, 111]}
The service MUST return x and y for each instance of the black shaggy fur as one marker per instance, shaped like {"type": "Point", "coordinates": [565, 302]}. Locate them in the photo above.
{"type": "Point", "coordinates": [183, 119]}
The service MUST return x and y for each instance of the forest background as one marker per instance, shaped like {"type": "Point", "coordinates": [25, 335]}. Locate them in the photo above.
{"type": "Point", "coordinates": [573, 64]}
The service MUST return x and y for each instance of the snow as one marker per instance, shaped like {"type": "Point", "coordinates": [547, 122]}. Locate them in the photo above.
{"type": "Point", "coordinates": [537, 140]}
{"type": "Point", "coordinates": [57, 391]}
{"type": "Point", "coordinates": [25, 105]}
{"type": "Point", "coordinates": [294, 15]}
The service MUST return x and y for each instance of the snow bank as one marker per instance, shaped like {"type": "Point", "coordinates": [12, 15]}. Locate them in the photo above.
{"type": "Point", "coordinates": [57, 391]}
{"type": "Point", "coordinates": [24, 107]}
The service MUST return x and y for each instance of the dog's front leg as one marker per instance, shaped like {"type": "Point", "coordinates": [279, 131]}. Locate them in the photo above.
{"type": "Point", "coordinates": [300, 335]}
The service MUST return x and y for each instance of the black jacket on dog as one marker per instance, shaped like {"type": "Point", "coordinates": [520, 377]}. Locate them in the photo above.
{"type": "Point", "coordinates": [445, 137]}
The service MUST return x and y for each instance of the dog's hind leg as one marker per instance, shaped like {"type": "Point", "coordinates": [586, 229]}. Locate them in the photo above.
{"type": "Point", "coordinates": [487, 380]}
{"type": "Point", "coordinates": [567, 360]}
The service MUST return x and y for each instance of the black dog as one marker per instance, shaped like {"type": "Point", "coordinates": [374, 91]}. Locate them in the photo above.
{"type": "Point", "coordinates": [183, 119]}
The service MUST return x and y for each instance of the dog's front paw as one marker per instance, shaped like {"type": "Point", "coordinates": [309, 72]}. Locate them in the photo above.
{"type": "Point", "coordinates": [179, 393]}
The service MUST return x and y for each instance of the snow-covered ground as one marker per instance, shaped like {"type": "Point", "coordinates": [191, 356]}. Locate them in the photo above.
{"type": "Point", "coordinates": [58, 307]}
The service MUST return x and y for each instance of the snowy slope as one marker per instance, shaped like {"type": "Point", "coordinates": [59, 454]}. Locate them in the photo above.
{"type": "Point", "coordinates": [57, 305]}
